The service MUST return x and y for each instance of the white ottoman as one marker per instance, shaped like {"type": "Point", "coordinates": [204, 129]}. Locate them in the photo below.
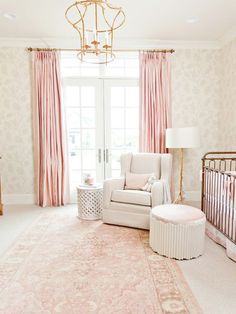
{"type": "Point", "coordinates": [177, 231]}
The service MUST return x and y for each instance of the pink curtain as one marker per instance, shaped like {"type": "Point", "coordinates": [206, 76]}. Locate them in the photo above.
{"type": "Point", "coordinates": [49, 144]}
{"type": "Point", "coordinates": [155, 100]}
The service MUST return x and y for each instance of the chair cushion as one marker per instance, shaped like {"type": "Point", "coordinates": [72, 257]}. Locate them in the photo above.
{"type": "Point", "coordinates": [132, 197]}
{"type": "Point", "coordinates": [135, 181]}
{"type": "Point", "coordinates": [178, 214]}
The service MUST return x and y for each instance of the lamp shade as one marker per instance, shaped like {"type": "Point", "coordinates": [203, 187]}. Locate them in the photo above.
{"type": "Point", "coordinates": [182, 138]}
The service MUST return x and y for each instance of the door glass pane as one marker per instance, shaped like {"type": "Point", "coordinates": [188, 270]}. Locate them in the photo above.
{"type": "Point", "coordinates": [73, 117]}
{"type": "Point", "coordinates": [132, 96]}
{"type": "Point", "coordinates": [88, 117]}
{"type": "Point", "coordinates": [117, 138]}
{"type": "Point", "coordinates": [74, 140]}
{"type": "Point", "coordinates": [117, 118]}
{"type": "Point", "coordinates": [75, 160]}
{"type": "Point", "coordinates": [75, 178]}
{"type": "Point", "coordinates": [116, 158]}
{"type": "Point", "coordinates": [72, 96]}
{"type": "Point", "coordinates": [117, 96]}
{"type": "Point", "coordinates": [88, 139]}
{"type": "Point", "coordinates": [89, 159]}
{"type": "Point", "coordinates": [132, 118]}
{"type": "Point", "coordinates": [132, 140]}
{"type": "Point", "coordinates": [87, 96]}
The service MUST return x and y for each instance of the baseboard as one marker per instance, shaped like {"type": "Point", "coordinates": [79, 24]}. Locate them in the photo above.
{"type": "Point", "coordinates": [10, 199]}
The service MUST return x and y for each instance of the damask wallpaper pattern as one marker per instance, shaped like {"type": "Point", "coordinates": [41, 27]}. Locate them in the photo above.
{"type": "Point", "coordinates": [228, 97]}
{"type": "Point", "coordinates": [16, 149]}
{"type": "Point", "coordinates": [196, 102]}
{"type": "Point", "coordinates": [204, 95]}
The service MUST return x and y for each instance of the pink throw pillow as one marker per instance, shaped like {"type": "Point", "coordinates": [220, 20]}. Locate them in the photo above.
{"type": "Point", "coordinates": [135, 181]}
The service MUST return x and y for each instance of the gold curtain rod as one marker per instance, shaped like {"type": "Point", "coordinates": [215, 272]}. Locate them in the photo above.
{"type": "Point", "coordinates": [115, 50]}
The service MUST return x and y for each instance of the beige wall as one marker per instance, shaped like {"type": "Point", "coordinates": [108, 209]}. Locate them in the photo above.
{"type": "Point", "coordinates": [15, 122]}
{"type": "Point", "coordinates": [204, 95]}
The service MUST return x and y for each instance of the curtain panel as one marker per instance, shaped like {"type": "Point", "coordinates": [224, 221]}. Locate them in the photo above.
{"type": "Point", "coordinates": [155, 100]}
{"type": "Point", "coordinates": [49, 139]}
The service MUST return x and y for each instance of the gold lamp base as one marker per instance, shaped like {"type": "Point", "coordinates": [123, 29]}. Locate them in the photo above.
{"type": "Point", "coordinates": [182, 138]}
{"type": "Point", "coordinates": [179, 199]}
{"type": "Point", "coordinates": [180, 196]}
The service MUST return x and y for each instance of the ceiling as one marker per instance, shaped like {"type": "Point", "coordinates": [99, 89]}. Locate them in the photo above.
{"type": "Point", "coordinates": [148, 19]}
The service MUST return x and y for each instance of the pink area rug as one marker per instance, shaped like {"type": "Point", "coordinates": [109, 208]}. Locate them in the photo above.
{"type": "Point", "coordinates": [64, 265]}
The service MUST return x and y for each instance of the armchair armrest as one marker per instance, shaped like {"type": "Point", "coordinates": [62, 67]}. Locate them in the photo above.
{"type": "Point", "coordinates": [157, 193]}
{"type": "Point", "coordinates": [160, 193]}
{"type": "Point", "coordinates": [110, 185]}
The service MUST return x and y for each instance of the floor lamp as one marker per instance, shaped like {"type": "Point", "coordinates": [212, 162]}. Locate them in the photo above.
{"type": "Point", "coordinates": [182, 138]}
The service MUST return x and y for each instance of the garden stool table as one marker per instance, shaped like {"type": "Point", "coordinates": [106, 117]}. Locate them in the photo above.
{"type": "Point", "coordinates": [89, 202]}
{"type": "Point", "coordinates": [177, 231]}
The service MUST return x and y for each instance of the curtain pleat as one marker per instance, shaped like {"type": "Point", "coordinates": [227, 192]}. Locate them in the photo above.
{"type": "Point", "coordinates": [49, 139]}
{"type": "Point", "coordinates": [155, 101]}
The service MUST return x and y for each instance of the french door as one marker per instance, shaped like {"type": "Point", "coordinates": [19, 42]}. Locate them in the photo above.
{"type": "Point", "coordinates": [121, 104]}
{"type": "Point", "coordinates": [102, 123]}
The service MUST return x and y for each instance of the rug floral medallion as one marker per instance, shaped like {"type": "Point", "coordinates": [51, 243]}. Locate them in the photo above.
{"type": "Point", "coordinates": [65, 265]}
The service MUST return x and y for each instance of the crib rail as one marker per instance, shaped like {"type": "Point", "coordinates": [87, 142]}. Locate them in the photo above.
{"type": "Point", "coordinates": [219, 191]}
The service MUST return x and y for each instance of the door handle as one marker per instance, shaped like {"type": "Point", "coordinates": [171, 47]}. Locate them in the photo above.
{"type": "Point", "coordinates": [107, 156]}
{"type": "Point", "coordinates": [99, 155]}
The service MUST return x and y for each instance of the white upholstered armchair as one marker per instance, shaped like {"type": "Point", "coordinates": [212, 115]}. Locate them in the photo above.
{"type": "Point", "coordinates": [132, 207]}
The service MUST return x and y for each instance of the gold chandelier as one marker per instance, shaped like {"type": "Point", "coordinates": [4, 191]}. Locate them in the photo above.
{"type": "Point", "coordinates": [95, 21]}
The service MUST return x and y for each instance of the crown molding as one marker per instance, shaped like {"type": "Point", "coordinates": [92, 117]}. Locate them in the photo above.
{"type": "Point", "coordinates": [142, 43]}
{"type": "Point", "coordinates": [121, 43]}
{"type": "Point", "coordinates": [21, 42]}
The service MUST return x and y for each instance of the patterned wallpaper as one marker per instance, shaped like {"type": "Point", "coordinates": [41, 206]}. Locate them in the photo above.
{"type": "Point", "coordinates": [228, 97]}
{"type": "Point", "coordinates": [15, 122]}
{"type": "Point", "coordinates": [204, 95]}
{"type": "Point", "coordinates": [196, 102]}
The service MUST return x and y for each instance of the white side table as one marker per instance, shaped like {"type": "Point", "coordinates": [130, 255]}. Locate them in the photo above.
{"type": "Point", "coordinates": [89, 202]}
